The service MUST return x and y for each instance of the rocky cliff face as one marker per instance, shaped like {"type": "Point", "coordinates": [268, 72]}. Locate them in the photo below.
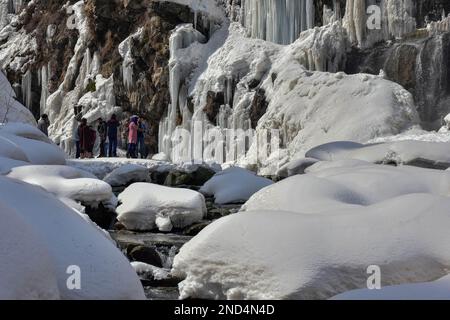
{"type": "Point", "coordinates": [45, 66]}
{"type": "Point", "coordinates": [103, 57]}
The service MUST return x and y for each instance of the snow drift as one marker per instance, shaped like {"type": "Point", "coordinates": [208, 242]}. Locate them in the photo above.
{"type": "Point", "coordinates": [322, 234]}
{"type": "Point", "coordinates": [68, 182]}
{"type": "Point", "coordinates": [69, 241]}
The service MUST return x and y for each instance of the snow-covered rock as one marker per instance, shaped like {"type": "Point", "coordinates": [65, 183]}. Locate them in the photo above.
{"type": "Point", "coordinates": [126, 174]}
{"type": "Point", "coordinates": [325, 229]}
{"type": "Point", "coordinates": [24, 142]}
{"type": "Point", "coordinates": [420, 153]}
{"type": "Point", "coordinates": [26, 268]}
{"type": "Point", "coordinates": [436, 290]}
{"type": "Point", "coordinates": [283, 255]}
{"type": "Point", "coordinates": [234, 185]}
{"type": "Point", "coordinates": [69, 241]}
{"type": "Point", "coordinates": [348, 187]}
{"type": "Point", "coordinates": [143, 203]}
{"type": "Point", "coordinates": [296, 167]}
{"type": "Point", "coordinates": [68, 182]}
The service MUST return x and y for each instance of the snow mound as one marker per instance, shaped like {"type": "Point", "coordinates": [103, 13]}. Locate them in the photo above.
{"type": "Point", "coordinates": [26, 269]}
{"type": "Point", "coordinates": [296, 167]}
{"type": "Point", "coordinates": [348, 187]}
{"type": "Point", "coordinates": [126, 174]}
{"type": "Point", "coordinates": [6, 164]}
{"type": "Point", "coordinates": [234, 185]}
{"type": "Point", "coordinates": [313, 236]}
{"type": "Point", "coordinates": [284, 255]}
{"type": "Point", "coordinates": [144, 203]}
{"type": "Point", "coordinates": [70, 241]}
{"type": "Point", "coordinates": [436, 290]}
{"type": "Point", "coordinates": [68, 182]}
{"type": "Point", "coordinates": [323, 165]}
{"type": "Point", "coordinates": [420, 153]}
{"type": "Point", "coordinates": [26, 143]}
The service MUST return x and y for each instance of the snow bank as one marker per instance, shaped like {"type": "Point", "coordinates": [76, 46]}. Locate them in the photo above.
{"type": "Point", "coordinates": [26, 143]}
{"type": "Point", "coordinates": [436, 290]}
{"type": "Point", "coordinates": [126, 174]}
{"type": "Point", "coordinates": [26, 269]}
{"type": "Point", "coordinates": [352, 188]}
{"type": "Point", "coordinates": [102, 167]}
{"type": "Point", "coordinates": [313, 236]}
{"type": "Point", "coordinates": [234, 185]}
{"type": "Point", "coordinates": [68, 182]}
{"type": "Point", "coordinates": [283, 255]}
{"type": "Point", "coordinates": [398, 152]}
{"type": "Point", "coordinates": [144, 203]}
{"type": "Point", "coordinates": [296, 167]}
{"type": "Point", "coordinates": [69, 241]}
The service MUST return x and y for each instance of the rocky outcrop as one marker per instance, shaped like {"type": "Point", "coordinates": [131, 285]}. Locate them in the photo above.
{"type": "Point", "coordinates": [109, 24]}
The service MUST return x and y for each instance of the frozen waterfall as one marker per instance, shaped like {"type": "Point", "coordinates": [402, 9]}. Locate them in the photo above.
{"type": "Point", "coordinates": [178, 113]}
{"type": "Point", "coordinates": [279, 21]}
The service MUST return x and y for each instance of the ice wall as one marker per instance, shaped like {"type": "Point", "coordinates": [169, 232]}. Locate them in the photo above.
{"type": "Point", "coordinates": [279, 21]}
{"type": "Point", "coordinates": [178, 112]}
{"type": "Point", "coordinates": [370, 21]}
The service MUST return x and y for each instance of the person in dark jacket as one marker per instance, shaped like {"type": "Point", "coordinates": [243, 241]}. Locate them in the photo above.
{"type": "Point", "coordinates": [142, 131]}
{"type": "Point", "coordinates": [102, 131]}
{"type": "Point", "coordinates": [87, 139]}
{"type": "Point", "coordinates": [43, 124]}
{"type": "Point", "coordinates": [113, 126]}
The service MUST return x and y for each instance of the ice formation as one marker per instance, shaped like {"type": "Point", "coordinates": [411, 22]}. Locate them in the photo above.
{"type": "Point", "coordinates": [279, 21]}
{"type": "Point", "coordinates": [371, 21]}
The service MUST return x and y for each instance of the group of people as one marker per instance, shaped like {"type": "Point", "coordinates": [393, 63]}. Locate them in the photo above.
{"type": "Point", "coordinates": [108, 132]}
{"type": "Point", "coordinates": [86, 136]}
{"type": "Point", "coordinates": [134, 131]}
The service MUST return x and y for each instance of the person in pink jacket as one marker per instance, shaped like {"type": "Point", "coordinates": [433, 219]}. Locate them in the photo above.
{"type": "Point", "coordinates": [132, 137]}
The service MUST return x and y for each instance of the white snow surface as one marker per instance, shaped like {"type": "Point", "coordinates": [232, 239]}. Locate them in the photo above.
{"type": "Point", "coordinates": [126, 174]}
{"type": "Point", "coordinates": [26, 269]}
{"type": "Point", "coordinates": [436, 290]}
{"type": "Point", "coordinates": [234, 185]}
{"type": "Point", "coordinates": [69, 241]}
{"type": "Point", "coordinates": [143, 203]}
{"type": "Point", "coordinates": [23, 142]}
{"type": "Point", "coordinates": [68, 182]}
{"type": "Point", "coordinates": [398, 152]}
{"type": "Point", "coordinates": [322, 233]}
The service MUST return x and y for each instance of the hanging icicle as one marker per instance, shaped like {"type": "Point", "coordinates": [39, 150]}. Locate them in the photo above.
{"type": "Point", "coordinates": [279, 21]}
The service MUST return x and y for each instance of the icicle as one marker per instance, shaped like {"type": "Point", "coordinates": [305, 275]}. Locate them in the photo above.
{"type": "Point", "coordinates": [279, 21]}
{"type": "Point", "coordinates": [26, 89]}
{"type": "Point", "coordinates": [43, 82]}
{"type": "Point", "coordinates": [182, 37]}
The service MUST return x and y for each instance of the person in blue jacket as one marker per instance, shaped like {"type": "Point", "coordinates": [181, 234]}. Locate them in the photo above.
{"type": "Point", "coordinates": [112, 127]}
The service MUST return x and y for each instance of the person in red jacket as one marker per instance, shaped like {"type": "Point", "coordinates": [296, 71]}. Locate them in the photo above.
{"type": "Point", "coordinates": [87, 139]}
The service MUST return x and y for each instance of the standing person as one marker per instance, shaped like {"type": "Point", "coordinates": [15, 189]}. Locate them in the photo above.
{"type": "Point", "coordinates": [43, 124]}
{"type": "Point", "coordinates": [102, 134]}
{"type": "Point", "coordinates": [113, 126]}
{"type": "Point", "coordinates": [132, 137]}
{"type": "Point", "coordinates": [142, 130]}
{"type": "Point", "coordinates": [77, 140]}
{"type": "Point", "coordinates": [87, 139]}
